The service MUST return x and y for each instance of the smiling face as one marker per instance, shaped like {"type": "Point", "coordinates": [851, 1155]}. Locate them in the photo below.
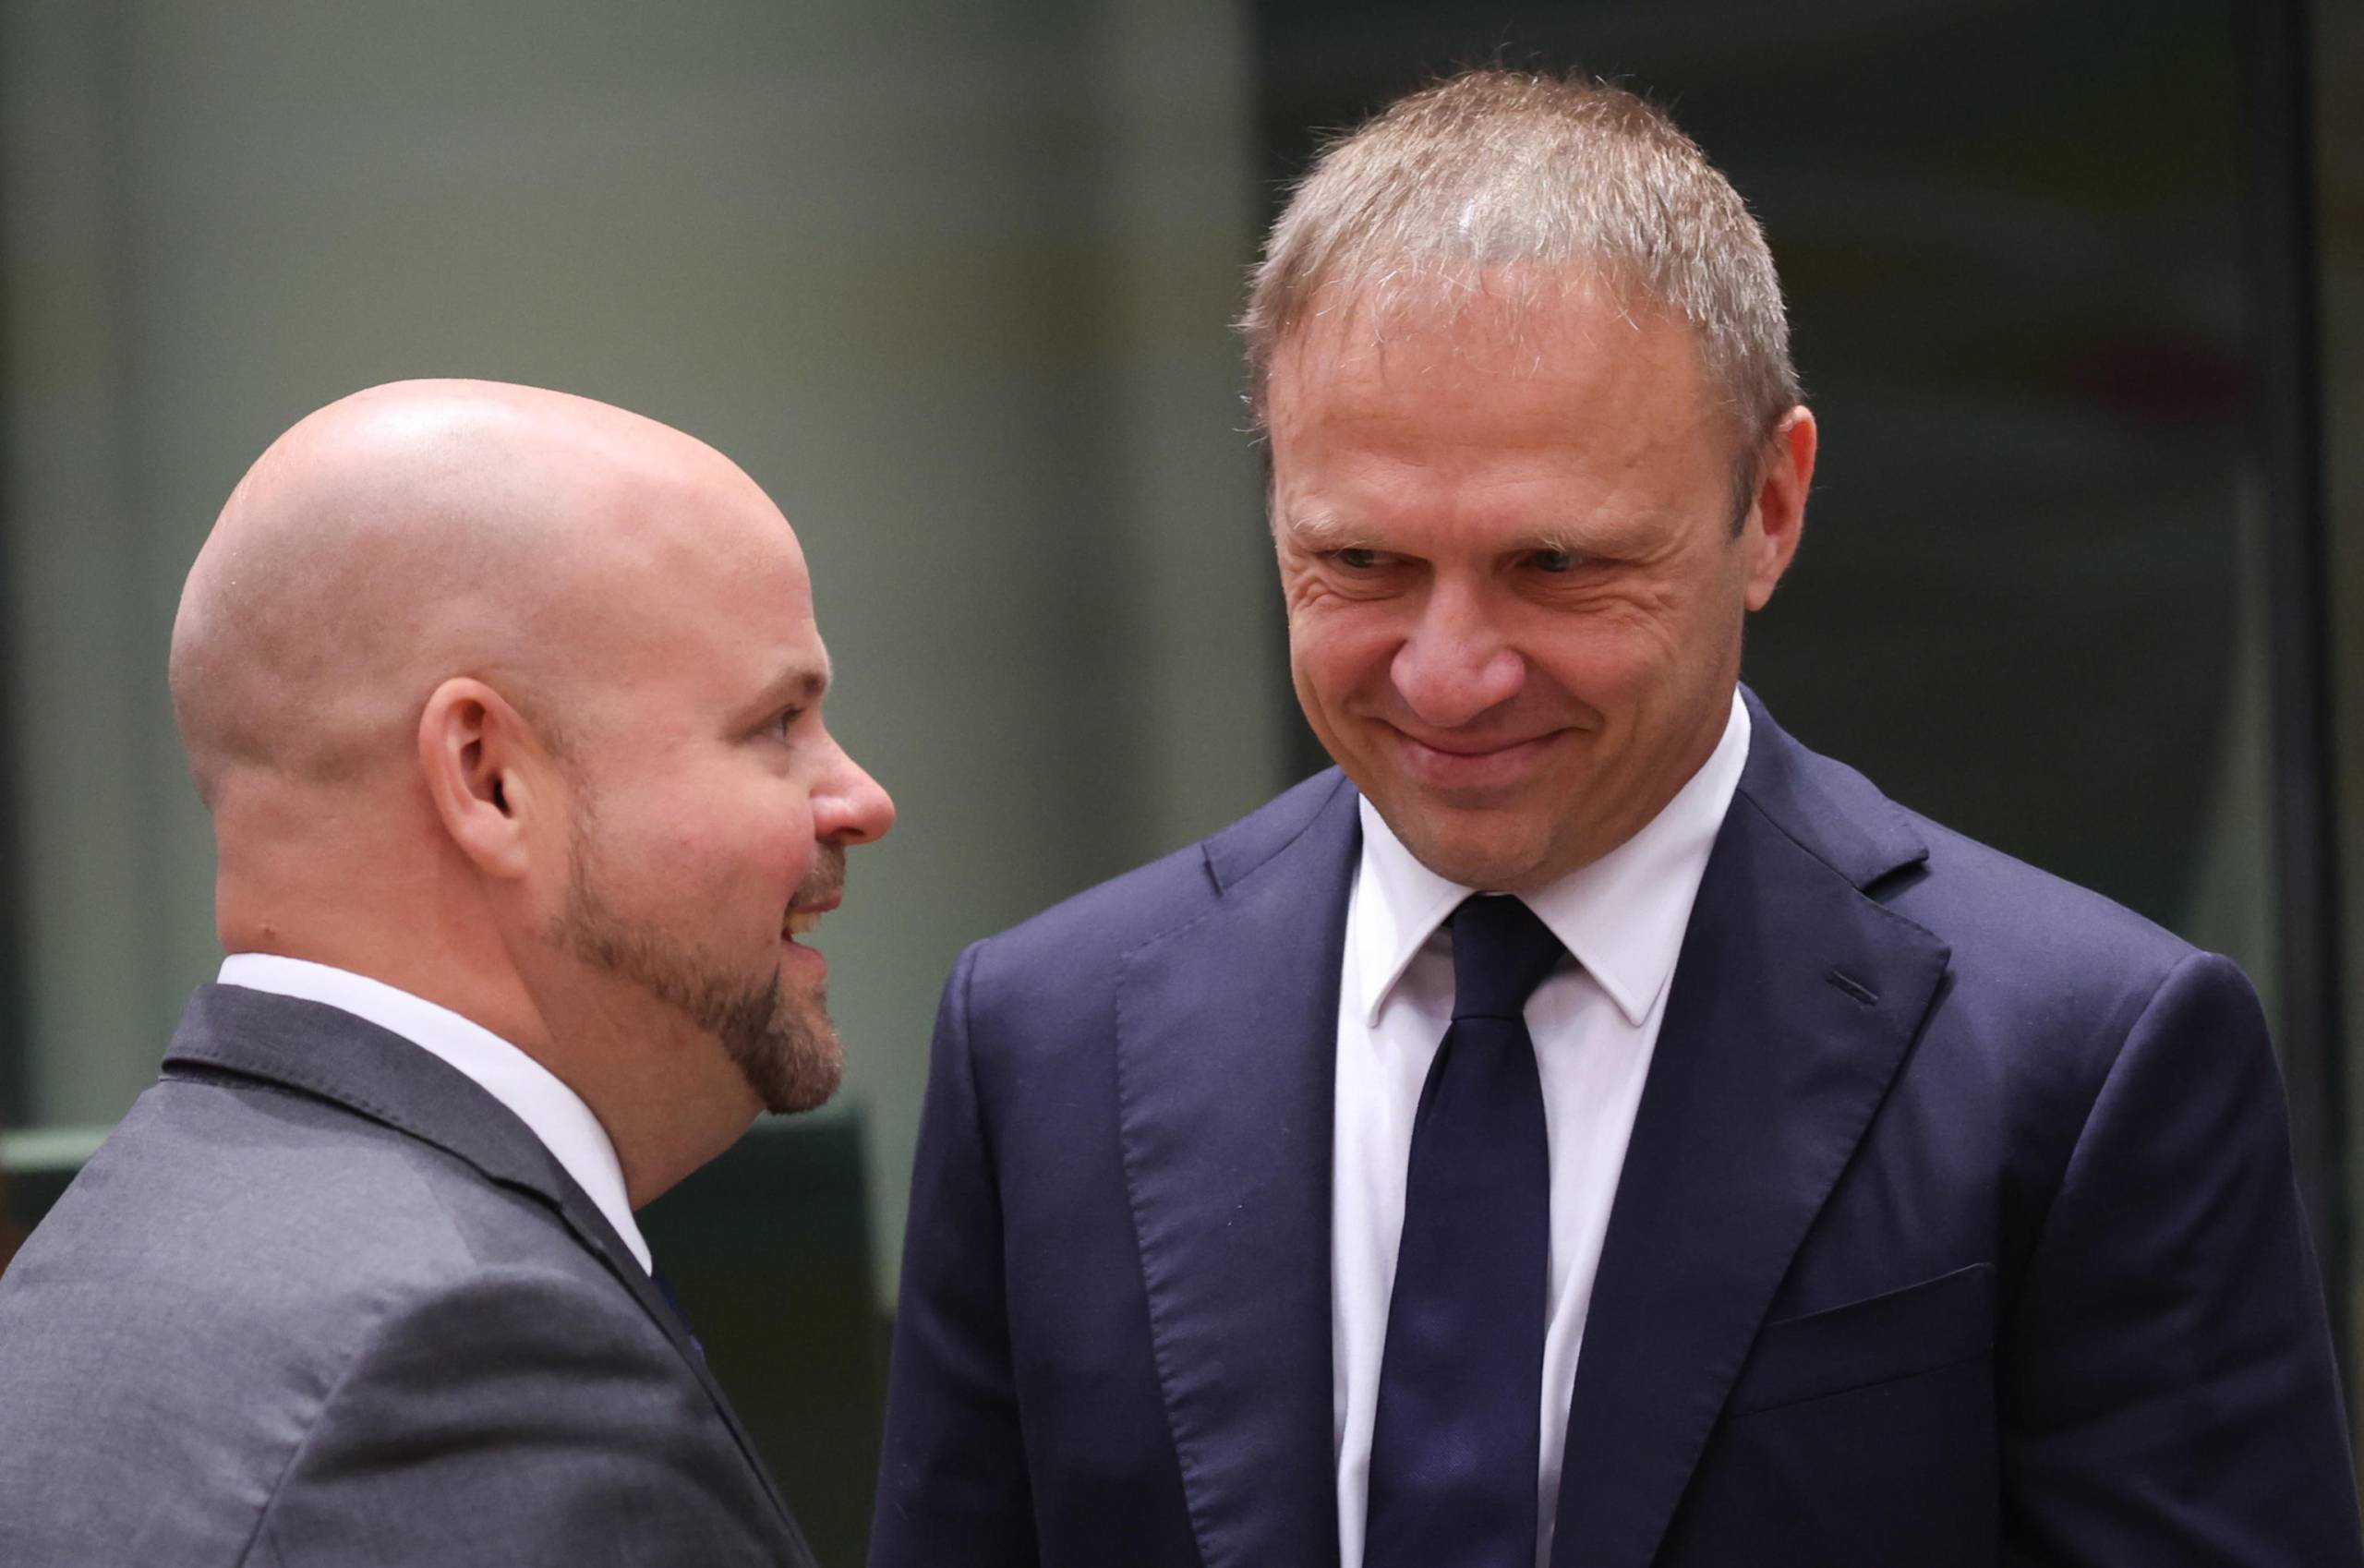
{"type": "Point", "coordinates": [1515, 590]}
{"type": "Point", "coordinates": [712, 808]}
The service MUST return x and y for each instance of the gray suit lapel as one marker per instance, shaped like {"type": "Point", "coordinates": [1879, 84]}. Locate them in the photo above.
{"type": "Point", "coordinates": [1226, 1056]}
{"type": "Point", "coordinates": [333, 1056]}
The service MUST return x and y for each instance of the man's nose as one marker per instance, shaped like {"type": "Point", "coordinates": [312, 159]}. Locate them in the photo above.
{"type": "Point", "coordinates": [1455, 665]}
{"type": "Point", "coordinates": [851, 808]}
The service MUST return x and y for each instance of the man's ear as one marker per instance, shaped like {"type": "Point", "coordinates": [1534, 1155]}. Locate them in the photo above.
{"type": "Point", "coordinates": [486, 772]}
{"type": "Point", "coordinates": [1778, 517]}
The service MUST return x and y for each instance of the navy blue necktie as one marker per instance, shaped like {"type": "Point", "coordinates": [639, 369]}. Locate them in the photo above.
{"type": "Point", "coordinates": [1454, 1447]}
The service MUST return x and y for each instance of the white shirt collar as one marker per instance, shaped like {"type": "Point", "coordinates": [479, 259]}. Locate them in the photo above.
{"type": "Point", "coordinates": [554, 1112]}
{"type": "Point", "coordinates": [1623, 916]}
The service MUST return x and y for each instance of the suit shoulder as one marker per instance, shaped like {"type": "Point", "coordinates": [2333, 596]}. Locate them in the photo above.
{"type": "Point", "coordinates": [1107, 919]}
{"type": "Point", "coordinates": [1046, 988]}
{"type": "Point", "coordinates": [1096, 927]}
{"type": "Point", "coordinates": [273, 1212]}
{"type": "Point", "coordinates": [2060, 971]}
{"type": "Point", "coordinates": [1995, 909]}
{"type": "Point", "coordinates": [2045, 983]}
{"type": "Point", "coordinates": [1997, 913]}
{"type": "Point", "coordinates": [184, 1313]}
{"type": "Point", "coordinates": [203, 1176]}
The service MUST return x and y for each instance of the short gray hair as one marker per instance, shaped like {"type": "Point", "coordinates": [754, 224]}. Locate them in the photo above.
{"type": "Point", "coordinates": [1492, 169]}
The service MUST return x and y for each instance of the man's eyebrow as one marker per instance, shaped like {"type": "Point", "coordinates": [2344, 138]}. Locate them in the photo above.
{"type": "Point", "coordinates": [801, 683]}
{"type": "Point", "coordinates": [1323, 530]}
{"type": "Point", "coordinates": [1319, 529]}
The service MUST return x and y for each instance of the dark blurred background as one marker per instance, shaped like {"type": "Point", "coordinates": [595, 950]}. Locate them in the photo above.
{"type": "Point", "coordinates": [2078, 291]}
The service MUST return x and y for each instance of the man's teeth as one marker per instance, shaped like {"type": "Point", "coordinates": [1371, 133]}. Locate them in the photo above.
{"type": "Point", "coordinates": [798, 923]}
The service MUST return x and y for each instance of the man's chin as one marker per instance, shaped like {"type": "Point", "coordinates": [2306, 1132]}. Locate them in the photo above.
{"type": "Point", "coordinates": [1490, 847]}
{"type": "Point", "coordinates": [1493, 866]}
{"type": "Point", "coordinates": [797, 1065]}
{"type": "Point", "coordinates": [806, 1095]}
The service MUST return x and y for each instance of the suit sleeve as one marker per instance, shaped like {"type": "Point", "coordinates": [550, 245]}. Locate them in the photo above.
{"type": "Point", "coordinates": [2167, 1388]}
{"type": "Point", "coordinates": [952, 1481]}
{"type": "Point", "coordinates": [520, 1415]}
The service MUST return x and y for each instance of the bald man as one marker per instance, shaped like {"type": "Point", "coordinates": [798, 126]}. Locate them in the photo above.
{"type": "Point", "coordinates": [507, 709]}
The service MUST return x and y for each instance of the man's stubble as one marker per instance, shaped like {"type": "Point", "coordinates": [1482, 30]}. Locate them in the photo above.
{"type": "Point", "coordinates": [781, 1040]}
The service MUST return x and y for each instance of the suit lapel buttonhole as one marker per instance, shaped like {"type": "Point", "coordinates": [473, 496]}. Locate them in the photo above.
{"type": "Point", "coordinates": [1854, 988]}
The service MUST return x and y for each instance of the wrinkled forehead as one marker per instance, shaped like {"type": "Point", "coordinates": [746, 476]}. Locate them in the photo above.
{"type": "Point", "coordinates": [1455, 326]}
{"type": "Point", "coordinates": [1510, 345]}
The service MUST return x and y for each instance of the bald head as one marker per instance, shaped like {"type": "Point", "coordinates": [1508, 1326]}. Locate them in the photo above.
{"type": "Point", "coordinates": [513, 701]}
{"type": "Point", "coordinates": [404, 535]}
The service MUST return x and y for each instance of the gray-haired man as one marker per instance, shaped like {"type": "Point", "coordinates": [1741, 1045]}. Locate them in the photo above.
{"type": "Point", "coordinates": [1587, 1128]}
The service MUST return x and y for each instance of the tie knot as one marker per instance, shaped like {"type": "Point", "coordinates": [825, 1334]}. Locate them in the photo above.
{"type": "Point", "coordinates": [1501, 953]}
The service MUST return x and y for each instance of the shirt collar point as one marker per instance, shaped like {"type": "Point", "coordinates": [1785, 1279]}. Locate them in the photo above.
{"type": "Point", "coordinates": [1634, 1001]}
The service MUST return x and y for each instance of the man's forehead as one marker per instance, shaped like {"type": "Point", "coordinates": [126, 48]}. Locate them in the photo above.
{"type": "Point", "coordinates": [1338, 373]}
{"type": "Point", "coordinates": [1401, 413]}
{"type": "Point", "coordinates": [700, 531]}
{"type": "Point", "coordinates": [1512, 325]}
{"type": "Point", "coordinates": [671, 591]}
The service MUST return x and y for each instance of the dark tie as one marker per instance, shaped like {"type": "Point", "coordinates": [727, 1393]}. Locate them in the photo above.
{"type": "Point", "coordinates": [1454, 1444]}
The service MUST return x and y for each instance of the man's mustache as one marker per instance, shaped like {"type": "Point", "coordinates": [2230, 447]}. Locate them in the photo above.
{"type": "Point", "coordinates": [826, 883]}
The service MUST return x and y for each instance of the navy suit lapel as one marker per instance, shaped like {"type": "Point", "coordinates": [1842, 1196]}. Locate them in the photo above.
{"type": "Point", "coordinates": [333, 1056]}
{"type": "Point", "coordinates": [1225, 1059]}
{"type": "Point", "coordinates": [1795, 1000]}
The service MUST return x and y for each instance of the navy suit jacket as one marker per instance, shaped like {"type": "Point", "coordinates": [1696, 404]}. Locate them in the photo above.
{"type": "Point", "coordinates": [1957, 1227]}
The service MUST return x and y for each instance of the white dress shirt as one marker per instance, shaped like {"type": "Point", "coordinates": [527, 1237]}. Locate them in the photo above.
{"type": "Point", "coordinates": [554, 1112]}
{"type": "Point", "coordinates": [1595, 1022]}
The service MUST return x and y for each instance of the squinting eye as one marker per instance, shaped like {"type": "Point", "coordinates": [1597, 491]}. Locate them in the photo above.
{"type": "Point", "coordinates": [1555, 561]}
{"type": "Point", "coordinates": [786, 719]}
{"type": "Point", "coordinates": [1356, 559]}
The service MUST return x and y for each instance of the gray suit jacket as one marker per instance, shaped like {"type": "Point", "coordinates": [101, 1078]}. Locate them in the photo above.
{"type": "Point", "coordinates": [321, 1300]}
